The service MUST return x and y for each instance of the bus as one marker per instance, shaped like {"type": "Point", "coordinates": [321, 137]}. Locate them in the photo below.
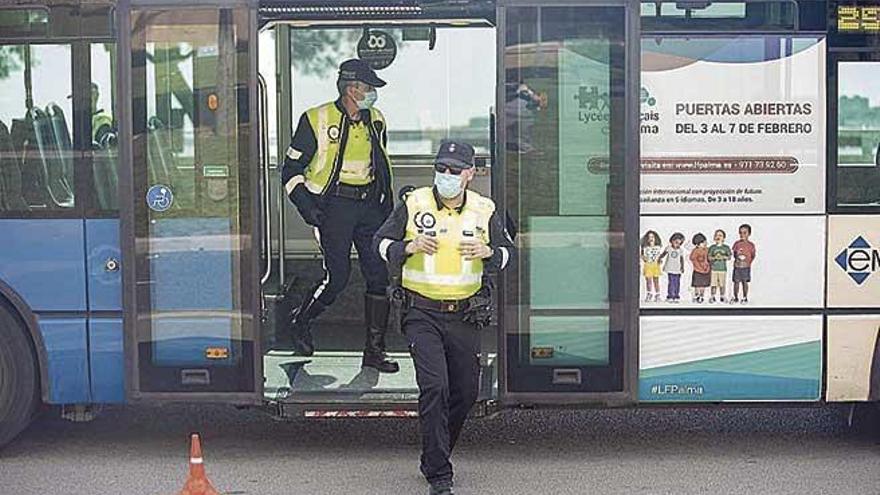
{"type": "Point", "coordinates": [694, 188]}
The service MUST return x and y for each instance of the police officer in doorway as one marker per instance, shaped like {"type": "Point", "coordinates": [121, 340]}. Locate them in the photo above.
{"type": "Point", "coordinates": [338, 175]}
{"type": "Point", "coordinates": [441, 241]}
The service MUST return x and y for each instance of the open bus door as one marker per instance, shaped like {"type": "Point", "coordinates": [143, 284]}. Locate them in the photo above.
{"type": "Point", "coordinates": [188, 204]}
{"type": "Point", "coordinates": [568, 147]}
{"type": "Point", "coordinates": [439, 61]}
{"type": "Point", "coordinates": [563, 79]}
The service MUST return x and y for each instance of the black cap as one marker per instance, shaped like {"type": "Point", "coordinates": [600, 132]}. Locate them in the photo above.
{"type": "Point", "coordinates": [455, 154]}
{"type": "Point", "coordinates": [357, 70]}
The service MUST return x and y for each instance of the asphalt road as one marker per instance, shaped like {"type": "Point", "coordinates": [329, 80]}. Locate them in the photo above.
{"type": "Point", "coordinates": [648, 451]}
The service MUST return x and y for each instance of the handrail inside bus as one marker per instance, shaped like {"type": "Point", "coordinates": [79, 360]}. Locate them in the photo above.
{"type": "Point", "coordinates": [264, 169]}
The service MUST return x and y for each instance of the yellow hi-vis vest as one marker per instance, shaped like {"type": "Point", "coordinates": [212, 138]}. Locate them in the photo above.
{"type": "Point", "coordinates": [327, 121]}
{"type": "Point", "coordinates": [445, 275]}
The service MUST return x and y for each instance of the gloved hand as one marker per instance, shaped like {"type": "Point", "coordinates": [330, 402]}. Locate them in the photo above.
{"type": "Point", "coordinates": [313, 216]}
{"type": "Point", "coordinates": [307, 206]}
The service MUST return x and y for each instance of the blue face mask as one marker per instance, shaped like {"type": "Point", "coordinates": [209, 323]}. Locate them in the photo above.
{"type": "Point", "coordinates": [369, 100]}
{"type": "Point", "coordinates": [448, 185]}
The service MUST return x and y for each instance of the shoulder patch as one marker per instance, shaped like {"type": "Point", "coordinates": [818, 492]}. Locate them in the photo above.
{"type": "Point", "coordinates": [419, 196]}
{"type": "Point", "coordinates": [483, 202]}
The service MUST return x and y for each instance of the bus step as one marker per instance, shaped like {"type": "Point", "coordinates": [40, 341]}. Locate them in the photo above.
{"type": "Point", "coordinates": [350, 410]}
{"type": "Point", "coordinates": [341, 411]}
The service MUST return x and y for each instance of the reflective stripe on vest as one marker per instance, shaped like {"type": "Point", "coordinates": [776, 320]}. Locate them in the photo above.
{"type": "Point", "coordinates": [326, 121]}
{"type": "Point", "coordinates": [356, 159]}
{"type": "Point", "coordinates": [445, 275]}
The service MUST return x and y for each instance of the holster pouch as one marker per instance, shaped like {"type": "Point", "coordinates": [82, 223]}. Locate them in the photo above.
{"type": "Point", "coordinates": [397, 310]}
{"type": "Point", "coordinates": [479, 310]}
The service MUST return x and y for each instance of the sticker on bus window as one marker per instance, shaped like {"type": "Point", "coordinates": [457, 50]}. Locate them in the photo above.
{"type": "Point", "coordinates": [377, 48]}
{"type": "Point", "coordinates": [160, 198]}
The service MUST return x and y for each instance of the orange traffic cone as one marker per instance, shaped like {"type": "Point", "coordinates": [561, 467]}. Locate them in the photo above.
{"type": "Point", "coordinates": [197, 483]}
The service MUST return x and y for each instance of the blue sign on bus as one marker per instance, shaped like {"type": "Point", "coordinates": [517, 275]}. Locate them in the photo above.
{"type": "Point", "coordinates": [159, 198]}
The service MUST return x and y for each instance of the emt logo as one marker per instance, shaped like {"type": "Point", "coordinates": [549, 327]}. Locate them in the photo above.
{"type": "Point", "coordinates": [858, 260]}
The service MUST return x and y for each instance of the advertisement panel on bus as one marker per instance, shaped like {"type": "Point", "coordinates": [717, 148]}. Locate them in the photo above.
{"type": "Point", "coordinates": [749, 137]}
{"type": "Point", "coordinates": [735, 357]}
{"type": "Point", "coordinates": [732, 201]}
{"type": "Point", "coordinates": [750, 261]}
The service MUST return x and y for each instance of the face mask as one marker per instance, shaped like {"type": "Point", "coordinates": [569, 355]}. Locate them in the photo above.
{"type": "Point", "coordinates": [368, 101]}
{"type": "Point", "coordinates": [448, 185]}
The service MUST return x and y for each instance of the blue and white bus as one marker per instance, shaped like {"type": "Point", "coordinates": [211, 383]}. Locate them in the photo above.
{"type": "Point", "coordinates": [695, 188]}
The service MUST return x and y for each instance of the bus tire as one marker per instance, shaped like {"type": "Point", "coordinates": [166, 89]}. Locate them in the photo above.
{"type": "Point", "coordinates": [865, 419]}
{"type": "Point", "coordinates": [19, 385]}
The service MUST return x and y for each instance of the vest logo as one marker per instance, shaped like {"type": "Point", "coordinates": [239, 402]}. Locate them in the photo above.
{"type": "Point", "coordinates": [333, 132]}
{"type": "Point", "coordinates": [425, 220]}
{"type": "Point", "coordinates": [859, 260]}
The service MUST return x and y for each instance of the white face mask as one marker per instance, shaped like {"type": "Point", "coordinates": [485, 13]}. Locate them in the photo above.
{"type": "Point", "coordinates": [369, 100]}
{"type": "Point", "coordinates": [448, 185]}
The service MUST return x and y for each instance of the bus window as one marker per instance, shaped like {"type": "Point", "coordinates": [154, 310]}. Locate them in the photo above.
{"type": "Point", "coordinates": [432, 93]}
{"type": "Point", "coordinates": [735, 10]}
{"type": "Point", "coordinates": [267, 70]}
{"type": "Point", "coordinates": [170, 109]}
{"type": "Point", "coordinates": [564, 81]}
{"type": "Point", "coordinates": [725, 16]}
{"type": "Point", "coordinates": [858, 133]}
{"type": "Point", "coordinates": [26, 21]}
{"type": "Point", "coordinates": [191, 158]}
{"type": "Point", "coordinates": [36, 149]}
{"type": "Point", "coordinates": [103, 127]}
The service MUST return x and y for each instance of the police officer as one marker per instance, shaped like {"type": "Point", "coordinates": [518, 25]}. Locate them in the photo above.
{"type": "Point", "coordinates": [103, 135]}
{"type": "Point", "coordinates": [441, 240]}
{"type": "Point", "coordinates": [338, 175]}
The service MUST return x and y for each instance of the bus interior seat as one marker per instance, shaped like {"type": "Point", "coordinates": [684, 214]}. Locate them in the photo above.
{"type": "Point", "coordinates": [50, 154]}
{"type": "Point", "coordinates": [105, 174]}
{"type": "Point", "coordinates": [33, 173]}
{"type": "Point", "coordinates": [62, 141]}
{"type": "Point", "coordinates": [11, 197]}
{"type": "Point", "coordinates": [159, 153]}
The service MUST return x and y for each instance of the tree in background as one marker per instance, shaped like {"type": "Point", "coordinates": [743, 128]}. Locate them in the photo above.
{"type": "Point", "coordinates": [11, 59]}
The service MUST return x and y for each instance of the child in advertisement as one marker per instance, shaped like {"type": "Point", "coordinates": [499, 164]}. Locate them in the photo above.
{"type": "Point", "coordinates": [651, 250]}
{"type": "Point", "coordinates": [700, 260]}
{"type": "Point", "coordinates": [719, 255]}
{"type": "Point", "coordinates": [673, 266]}
{"type": "Point", "coordinates": [743, 255]}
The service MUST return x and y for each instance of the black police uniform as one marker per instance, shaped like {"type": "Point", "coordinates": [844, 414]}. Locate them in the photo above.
{"type": "Point", "coordinates": [342, 215]}
{"type": "Point", "coordinates": [445, 348]}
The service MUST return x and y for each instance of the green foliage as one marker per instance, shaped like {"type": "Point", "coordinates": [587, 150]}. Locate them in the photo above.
{"type": "Point", "coordinates": [318, 52]}
{"type": "Point", "coordinates": [856, 111]}
{"type": "Point", "coordinates": [11, 59]}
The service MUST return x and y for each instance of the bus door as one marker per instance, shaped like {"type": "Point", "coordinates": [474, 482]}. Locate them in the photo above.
{"type": "Point", "coordinates": [568, 151]}
{"type": "Point", "coordinates": [189, 173]}
{"type": "Point", "coordinates": [438, 59]}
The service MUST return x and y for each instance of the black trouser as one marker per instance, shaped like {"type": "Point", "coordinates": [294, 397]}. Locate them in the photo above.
{"type": "Point", "coordinates": [349, 221]}
{"type": "Point", "coordinates": [445, 351]}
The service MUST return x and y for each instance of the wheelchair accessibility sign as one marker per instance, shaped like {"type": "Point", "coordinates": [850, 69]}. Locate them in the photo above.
{"type": "Point", "coordinates": [159, 198]}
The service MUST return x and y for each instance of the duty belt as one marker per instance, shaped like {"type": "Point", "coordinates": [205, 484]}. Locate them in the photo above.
{"type": "Point", "coordinates": [441, 306]}
{"type": "Point", "coordinates": [357, 193]}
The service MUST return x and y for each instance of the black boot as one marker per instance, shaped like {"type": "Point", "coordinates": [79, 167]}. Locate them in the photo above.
{"type": "Point", "coordinates": [376, 317]}
{"type": "Point", "coordinates": [440, 489]}
{"type": "Point", "coordinates": [301, 323]}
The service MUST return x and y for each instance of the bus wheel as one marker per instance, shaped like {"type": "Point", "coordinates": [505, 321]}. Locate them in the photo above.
{"type": "Point", "coordinates": [19, 393]}
{"type": "Point", "coordinates": [865, 419]}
